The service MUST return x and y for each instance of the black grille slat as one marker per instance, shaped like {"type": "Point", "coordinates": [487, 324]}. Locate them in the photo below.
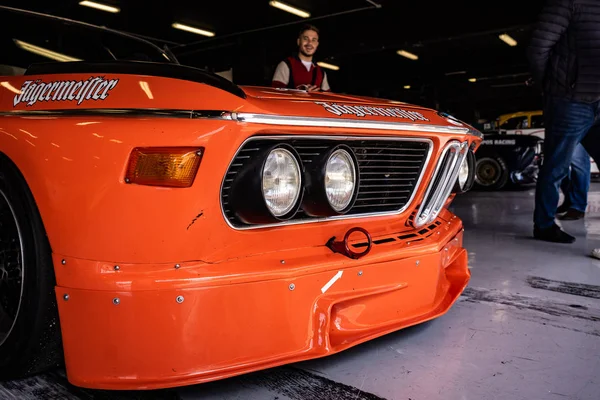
{"type": "Point", "coordinates": [388, 167]}
{"type": "Point", "coordinates": [363, 206]}
{"type": "Point", "coordinates": [388, 170]}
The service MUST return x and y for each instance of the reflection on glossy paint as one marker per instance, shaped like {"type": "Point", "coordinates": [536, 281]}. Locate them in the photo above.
{"type": "Point", "coordinates": [10, 87]}
{"type": "Point", "coordinates": [322, 325]}
{"type": "Point", "coordinates": [115, 141]}
{"type": "Point", "coordinates": [68, 159]}
{"type": "Point", "coordinates": [24, 131]}
{"type": "Point", "coordinates": [98, 136]}
{"type": "Point", "coordinates": [146, 88]}
{"type": "Point", "coordinates": [87, 123]}
{"type": "Point", "coordinates": [30, 142]}
{"type": "Point", "coordinates": [54, 144]}
{"type": "Point", "coordinates": [204, 135]}
{"type": "Point", "coordinates": [12, 136]}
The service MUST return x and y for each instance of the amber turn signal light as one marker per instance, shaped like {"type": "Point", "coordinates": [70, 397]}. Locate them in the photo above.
{"type": "Point", "coordinates": [164, 166]}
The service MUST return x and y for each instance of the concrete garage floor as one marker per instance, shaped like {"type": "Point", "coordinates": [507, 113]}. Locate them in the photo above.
{"type": "Point", "coordinates": [527, 327]}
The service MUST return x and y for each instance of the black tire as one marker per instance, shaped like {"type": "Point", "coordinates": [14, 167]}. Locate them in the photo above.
{"type": "Point", "coordinates": [491, 173]}
{"type": "Point", "coordinates": [33, 345]}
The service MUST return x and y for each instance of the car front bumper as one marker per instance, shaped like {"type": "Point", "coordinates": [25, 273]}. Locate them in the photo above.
{"type": "Point", "coordinates": [157, 326]}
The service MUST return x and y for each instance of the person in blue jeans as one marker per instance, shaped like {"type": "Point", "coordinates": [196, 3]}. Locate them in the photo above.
{"type": "Point", "coordinates": [564, 58]}
{"type": "Point", "coordinates": [575, 186]}
{"type": "Point", "coordinates": [567, 123]}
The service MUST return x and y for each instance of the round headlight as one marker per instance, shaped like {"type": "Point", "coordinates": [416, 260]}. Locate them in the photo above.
{"type": "Point", "coordinates": [281, 181]}
{"type": "Point", "coordinates": [463, 173]}
{"type": "Point", "coordinates": [332, 182]}
{"type": "Point", "coordinates": [269, 187]}
{"type": "Point", "coordinates": [466, 174]}
{"type": "Point", "coordinates": [340, 179]}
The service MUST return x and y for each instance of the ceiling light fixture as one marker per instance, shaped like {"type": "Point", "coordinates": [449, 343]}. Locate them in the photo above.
{"type": "Point", "coordinates": [44, 52]}
{"type": "Point", "coordinates": [472, 79]}
{"type": "Point", "coordinates": [290, 9]}
{"type": "Point", "coordinates": [508, 40]}
{"type": "Point", "coordinates": [455, 73]}
{"type": "Point", "coordinates": [328, 66]}
{"type": "Point", "coordinates": [99, 6]}
{"type": "Point", "coordinates": [406, 54]}
{"type": "Point", "coordinates": [406, 86]}
{"type": "Point", "coordinates": [191, 29]}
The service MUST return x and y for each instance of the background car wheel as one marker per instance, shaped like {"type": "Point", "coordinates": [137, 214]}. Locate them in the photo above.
{"type": "Point", "coordinates": [491, 173]}
{"type": "Point", "coordinates": [29, 326]}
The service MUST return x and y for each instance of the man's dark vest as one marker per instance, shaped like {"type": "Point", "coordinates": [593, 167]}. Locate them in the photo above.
{"type": "Point", "coordinates": [298, 70]}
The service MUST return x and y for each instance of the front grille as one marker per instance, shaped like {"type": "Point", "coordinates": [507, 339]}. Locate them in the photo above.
{"type": "Point", "coordinates": [389, 170]}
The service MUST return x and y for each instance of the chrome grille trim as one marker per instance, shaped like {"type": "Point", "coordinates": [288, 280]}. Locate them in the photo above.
{"type": "Point", "coordinates": [408, 203]}
{"type": "Point", "coordinates": [442, 181]}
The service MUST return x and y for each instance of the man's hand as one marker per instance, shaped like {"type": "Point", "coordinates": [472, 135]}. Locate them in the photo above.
{"type": "Point", "coordinates": [308, 88]}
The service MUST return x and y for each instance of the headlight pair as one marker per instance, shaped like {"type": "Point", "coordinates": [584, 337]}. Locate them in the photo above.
{"type": "Point", "coordinates": [274, 186]}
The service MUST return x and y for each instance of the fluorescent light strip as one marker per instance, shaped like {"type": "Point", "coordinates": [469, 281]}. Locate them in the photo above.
{"type": "Point", "coordinates": [407, 54]}
{"type": "Point", "coordinates": [455, 73]}
{"type": "Point", "coordinates": [99, 6]}
{"type": "Point", "coordinates": [290, 9]}
{"type": "Point", "coordinates": [191, 29]}
{"type": "Point", "coordinates": [44, 52]}
{"type": "Point", "coordinates": [406, 86]}
{"type": "Point", "coordinates": [508, 40]}
{"type": "Point", "coordinates": [327, 65]}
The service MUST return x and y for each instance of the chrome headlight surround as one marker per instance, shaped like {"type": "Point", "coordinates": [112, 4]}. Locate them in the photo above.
{"type": "Point", "coordinates": [442, 182]}
{"type": "Point", "coordinates": [316, 199]}
{"type": "Point", "coordinates": [249, 199]}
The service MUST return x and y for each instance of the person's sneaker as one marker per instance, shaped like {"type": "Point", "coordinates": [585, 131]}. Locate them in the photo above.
{"type": "Point", "coordinates": [564, 207]}
{"type": "Point", "coordinates": [552, 234]}
{"type": "Point", "coordinates": [596, 253]}
{"type": "Point", "coordinates": [572, 215]}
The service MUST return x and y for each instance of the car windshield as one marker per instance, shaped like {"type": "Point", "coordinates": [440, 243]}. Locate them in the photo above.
{"type": "Point", "coordinates": [28, 38]}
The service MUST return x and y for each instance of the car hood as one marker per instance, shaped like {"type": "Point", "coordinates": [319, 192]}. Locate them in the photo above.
{"type": "Point", "coordinates": [302, 95]}
{"type": "Point", "coordinates": [299, 103]}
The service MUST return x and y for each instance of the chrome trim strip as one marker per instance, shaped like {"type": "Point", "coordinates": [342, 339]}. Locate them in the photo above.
{"type": "Point", "coordinates": [475, 132]}
{"type": "Point", "coordinates": [267, 119]}
{"type": "Point", "coordinates": [122, 112]}
{"type": "Point", "coordinates": [443, 185]}
{"type": "Point", "coordinates": [345, 123]}
{"type": "Point", "coordinates": [430, 187]}
{"type": "Point", "coordinates": [335, 218]}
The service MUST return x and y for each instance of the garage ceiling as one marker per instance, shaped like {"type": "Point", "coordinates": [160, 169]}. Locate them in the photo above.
{"type": "Point", "coordinates": [454, 41]}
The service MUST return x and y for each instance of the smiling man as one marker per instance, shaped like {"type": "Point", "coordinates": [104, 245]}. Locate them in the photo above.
{"type": "Point", "coordinates": [299, 71]}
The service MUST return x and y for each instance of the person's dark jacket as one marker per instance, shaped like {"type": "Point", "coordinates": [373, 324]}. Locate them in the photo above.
{"type": "Point", "coordinates": [564, 52]}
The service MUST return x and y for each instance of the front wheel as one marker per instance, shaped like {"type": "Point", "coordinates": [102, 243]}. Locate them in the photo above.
{"type": "Point", "coordinates": [491, 173]}
{"type": "Point", "coordinates": [29, 326]}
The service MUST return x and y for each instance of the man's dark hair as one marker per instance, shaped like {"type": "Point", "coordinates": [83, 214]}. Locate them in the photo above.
{"type": "Point", "coordinates": [308, 27]}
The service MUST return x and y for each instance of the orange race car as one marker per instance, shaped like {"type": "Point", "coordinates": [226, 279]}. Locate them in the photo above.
{"type": "Point", "coordinates": [162, 226]}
